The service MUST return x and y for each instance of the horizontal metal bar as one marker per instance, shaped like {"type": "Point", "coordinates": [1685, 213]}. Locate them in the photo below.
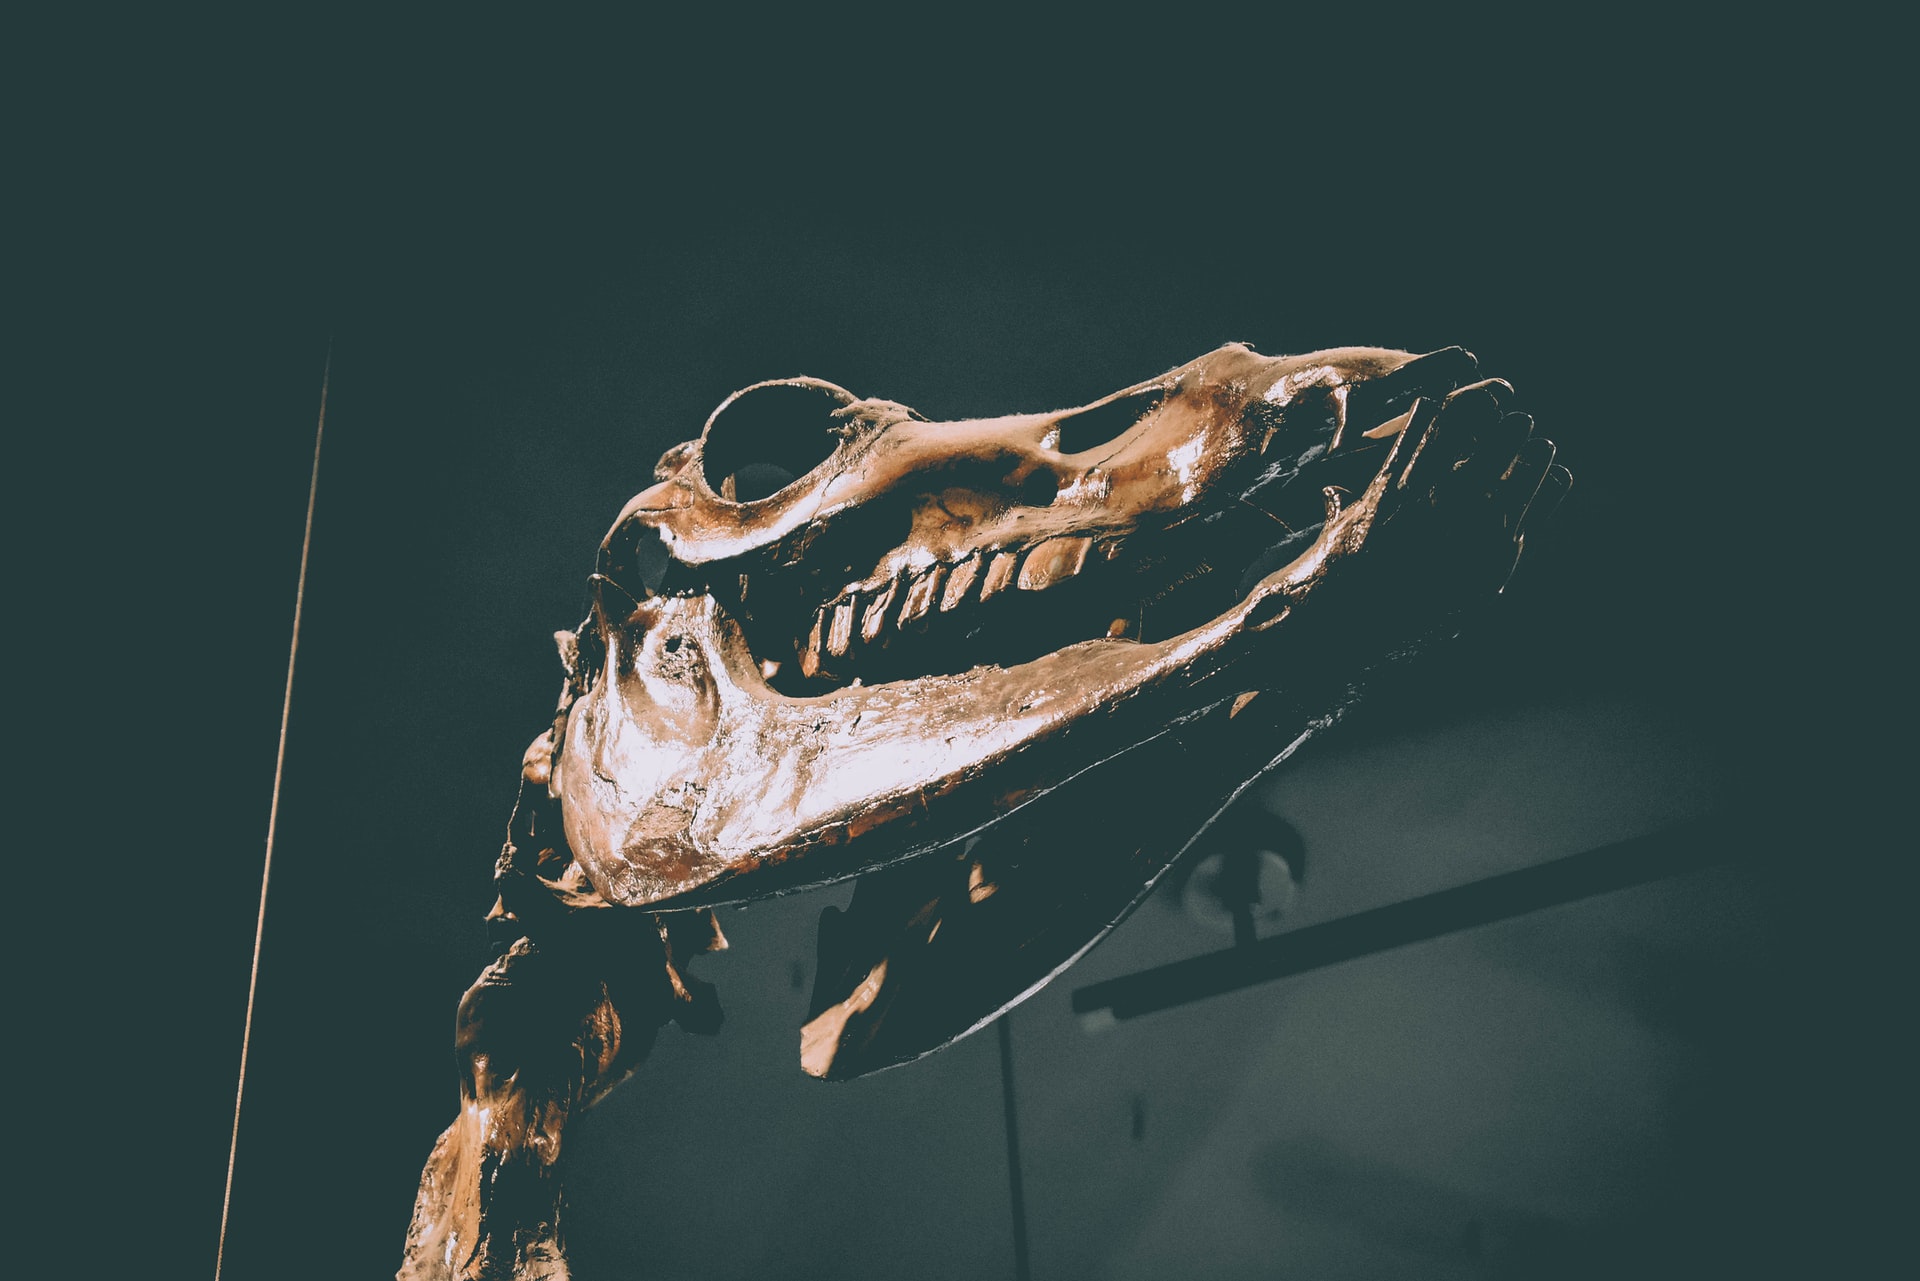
{"type": "Point", "coordinates": [1684, 847]}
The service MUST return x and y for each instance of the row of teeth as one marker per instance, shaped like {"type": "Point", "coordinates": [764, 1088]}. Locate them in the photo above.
{"type": "Point", "coordinates": [865, 613]}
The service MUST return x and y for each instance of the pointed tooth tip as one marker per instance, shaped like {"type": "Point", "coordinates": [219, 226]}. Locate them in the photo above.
{"type": "Point", "coordinates": [1390, 428]}
{"type": "Point", "coordinates": [873, 619]}
{"type": "Point", "coordinates": [960, 582]}
{"type": "Point", "coordinates": [810, 660]}
{"type": "Point", "coordinates": [921, 594]}
{"type": "Point", "coordinates": [840, 630]}
{"type": "Point", "coordinates": [1054, 561]}
{"type": "Point", "coordinates": [1000, 573]}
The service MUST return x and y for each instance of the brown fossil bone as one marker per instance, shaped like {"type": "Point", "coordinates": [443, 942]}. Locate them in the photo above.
{"type": "Point", "coordinates": [836, 639]}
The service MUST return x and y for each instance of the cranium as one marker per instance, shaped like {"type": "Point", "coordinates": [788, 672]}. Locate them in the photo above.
{"type": "Point", "coordinates": [835, 637]}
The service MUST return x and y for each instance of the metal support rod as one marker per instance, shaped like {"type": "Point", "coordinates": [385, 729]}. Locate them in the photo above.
{"type": "Point", "coordinates": [1683, 847]}
{"type": "Point", "coordinates": [1020, 1267]}
{"type": "Point", "coordinates": [1244, 934]}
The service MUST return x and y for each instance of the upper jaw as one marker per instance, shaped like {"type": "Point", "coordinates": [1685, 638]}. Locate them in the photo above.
{"type": "Point", "coordinates": [983, 569]}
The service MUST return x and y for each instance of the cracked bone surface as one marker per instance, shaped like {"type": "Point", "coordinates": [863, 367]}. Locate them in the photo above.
{"type": "Point", "coordinates": [836, 639]}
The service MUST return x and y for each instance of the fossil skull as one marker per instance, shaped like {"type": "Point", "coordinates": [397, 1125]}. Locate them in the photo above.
{"type": "Point", "coordinates": [817, 644]}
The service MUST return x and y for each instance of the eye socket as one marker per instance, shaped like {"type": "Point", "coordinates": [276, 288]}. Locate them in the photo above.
{"type": "Point", "coordinates": [764, 438]}
{"type": "Point", "coordinates": [1091, 428]}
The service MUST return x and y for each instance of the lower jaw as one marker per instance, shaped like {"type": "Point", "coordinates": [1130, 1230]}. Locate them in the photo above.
{"type": "Point", "coordinates": [865, 774]}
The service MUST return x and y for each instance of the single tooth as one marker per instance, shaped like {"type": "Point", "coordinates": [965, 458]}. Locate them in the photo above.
{"type": "Point", "coordinates": [1118, 627]}
{"type": "Point", "coordinates": [875, 619]}
{"type": "Point", "coordinates": [810, 655]}
{"type": "Point", "coordinates": [921, 595]}
{"type": "Point", "coordinates": [1389, 429]}
{"type": "Point", "coordinates": [959, 581]}
{"type": "Point", "coordinates": [1110, 550]}
{"type": "Point", "coordinates": [1052, 561]}
{"type": "Point", "coordinates": [840, 633]}
{"type": "Point", "coordinates": [999, 574]}
{"type": "Point", "coordinates": [1339, 398]}
{"type": "Point", "coordinates": [770, 669]}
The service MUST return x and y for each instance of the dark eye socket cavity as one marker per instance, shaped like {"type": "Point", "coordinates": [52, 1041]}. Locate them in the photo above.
{"type": "Point", "coordinates": [769, 436]}
{"type": "Point", "coordinates": [1091, 428]}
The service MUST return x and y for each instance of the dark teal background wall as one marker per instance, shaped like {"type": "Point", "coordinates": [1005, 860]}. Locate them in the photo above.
{"type": "Point", "coordinates": [539, 257]}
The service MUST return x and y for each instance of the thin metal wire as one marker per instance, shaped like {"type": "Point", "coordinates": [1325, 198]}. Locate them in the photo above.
{"type": "Point", "coordinates": [273, 809]}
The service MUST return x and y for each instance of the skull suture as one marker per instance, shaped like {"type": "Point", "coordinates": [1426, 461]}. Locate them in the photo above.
{"type": "Point", "coordinates": [1004, 670]}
